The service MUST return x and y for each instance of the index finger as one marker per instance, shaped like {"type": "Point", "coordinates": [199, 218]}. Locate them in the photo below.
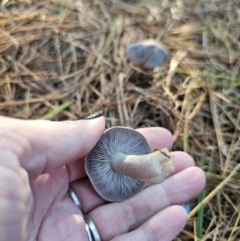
{"type": "Point", "coordinates": [43, 146]}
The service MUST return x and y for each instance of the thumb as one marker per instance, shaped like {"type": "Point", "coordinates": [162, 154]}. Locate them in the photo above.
{"type": "Point", "coordinates": [42, 146]}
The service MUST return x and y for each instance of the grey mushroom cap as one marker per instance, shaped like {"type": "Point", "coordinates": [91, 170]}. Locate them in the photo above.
{"type": "Point", "coordinates": [147, 54]}
{"type": "Point", "coordinates": [110, 184]}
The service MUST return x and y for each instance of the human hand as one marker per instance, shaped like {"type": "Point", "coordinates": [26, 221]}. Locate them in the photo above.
{"type": "Point", "coordinates": [38, 160]}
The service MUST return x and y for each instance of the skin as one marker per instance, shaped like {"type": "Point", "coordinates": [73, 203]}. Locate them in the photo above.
{"type": "Point", "coordinates": [38, 160]}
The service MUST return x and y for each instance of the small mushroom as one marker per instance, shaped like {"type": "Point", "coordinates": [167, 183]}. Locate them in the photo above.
{"type": "Point", "coordinates": [122, 162]}
{"type": "Point", "coordinates": [147, 54]}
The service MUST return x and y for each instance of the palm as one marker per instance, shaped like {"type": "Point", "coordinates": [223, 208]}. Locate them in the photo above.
{"type": "Point", "coordinates": [53, 215]}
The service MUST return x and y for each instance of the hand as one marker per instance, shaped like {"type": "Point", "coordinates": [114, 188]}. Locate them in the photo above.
{"type": "Point", "coordinates": [38, 160]}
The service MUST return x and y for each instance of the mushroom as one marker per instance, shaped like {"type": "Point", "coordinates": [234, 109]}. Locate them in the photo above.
{"type": "Point", "coordinates": [122, 162]}
{"type": "Point", "coordinates": [147, 54]}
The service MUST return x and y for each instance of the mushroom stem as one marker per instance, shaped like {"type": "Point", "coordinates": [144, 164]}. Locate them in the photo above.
{"type": "Point", "coordinates": [150, 168]}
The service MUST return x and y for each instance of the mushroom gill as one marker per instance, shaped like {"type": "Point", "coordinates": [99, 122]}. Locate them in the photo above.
{"type": "Point", "coordinates": [122, 162]}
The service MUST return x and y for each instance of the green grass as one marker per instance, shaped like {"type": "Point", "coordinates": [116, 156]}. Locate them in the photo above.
{"type": "Point", "coordinates": [200, 213]}
{"type": "Point", "coordinates": [57, 110]}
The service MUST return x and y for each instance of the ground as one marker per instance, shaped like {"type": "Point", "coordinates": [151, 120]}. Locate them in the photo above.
{"type": "Point", "coordinates": [62, 59]}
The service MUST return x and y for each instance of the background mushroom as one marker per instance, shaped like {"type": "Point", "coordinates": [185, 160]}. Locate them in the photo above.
{"type": "Point", "coordinates": [147, 54]}
{"type": "Point", "coordinates": [122, 162]}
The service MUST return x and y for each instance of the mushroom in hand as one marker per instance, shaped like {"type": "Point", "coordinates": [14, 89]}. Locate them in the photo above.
{"type": "Point", "coordinates": [122, 162]}
{"type": "Point", "coordinates": [147, 54]}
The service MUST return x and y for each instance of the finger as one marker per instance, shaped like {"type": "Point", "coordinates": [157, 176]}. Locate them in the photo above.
{"type": "Point", "coordinates": [130, 214]}
{"type": "Point", "coordinates": [89, 197]}
{"type": "Point", "coordinates": [155, 136]}
{"type": "Point", "coordinates": [163, 226]}
{"type": "Point", "coordinates": [45, 145]}
{"type": "Point", "coordinates": [86, 194]}
{"type": "Point", "coordinates": [76, 169]}
{"type": "Point", "coordinates": [181, 160]}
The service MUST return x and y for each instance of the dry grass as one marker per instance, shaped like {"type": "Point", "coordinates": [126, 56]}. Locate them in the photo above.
{"type": "Point", "coordinates": [61, 59]}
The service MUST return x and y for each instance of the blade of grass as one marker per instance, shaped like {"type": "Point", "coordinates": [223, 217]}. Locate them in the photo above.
{"type": "Point", "coordinates": [56, 111]}
{"type": "Point", "coordinates": [221, 178]}
{"type": "Point", "coordinates": [115, 30]}
{"type": "Point", "coordinates": [214, 191]}
{"type": "Point", "coordinates": [201, 197]}
{"type": "Point", "coordinates": [233, 81]}
{"type": "Point", "coordinates": [234, 228]}
{"type": "Point", "coordinates": [223, 37]}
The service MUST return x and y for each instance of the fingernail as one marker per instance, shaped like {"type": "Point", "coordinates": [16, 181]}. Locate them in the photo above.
{"type": "Point", "coordinates": [92, 115]}
{"type": "Point", "coordinates": [187, 207]}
